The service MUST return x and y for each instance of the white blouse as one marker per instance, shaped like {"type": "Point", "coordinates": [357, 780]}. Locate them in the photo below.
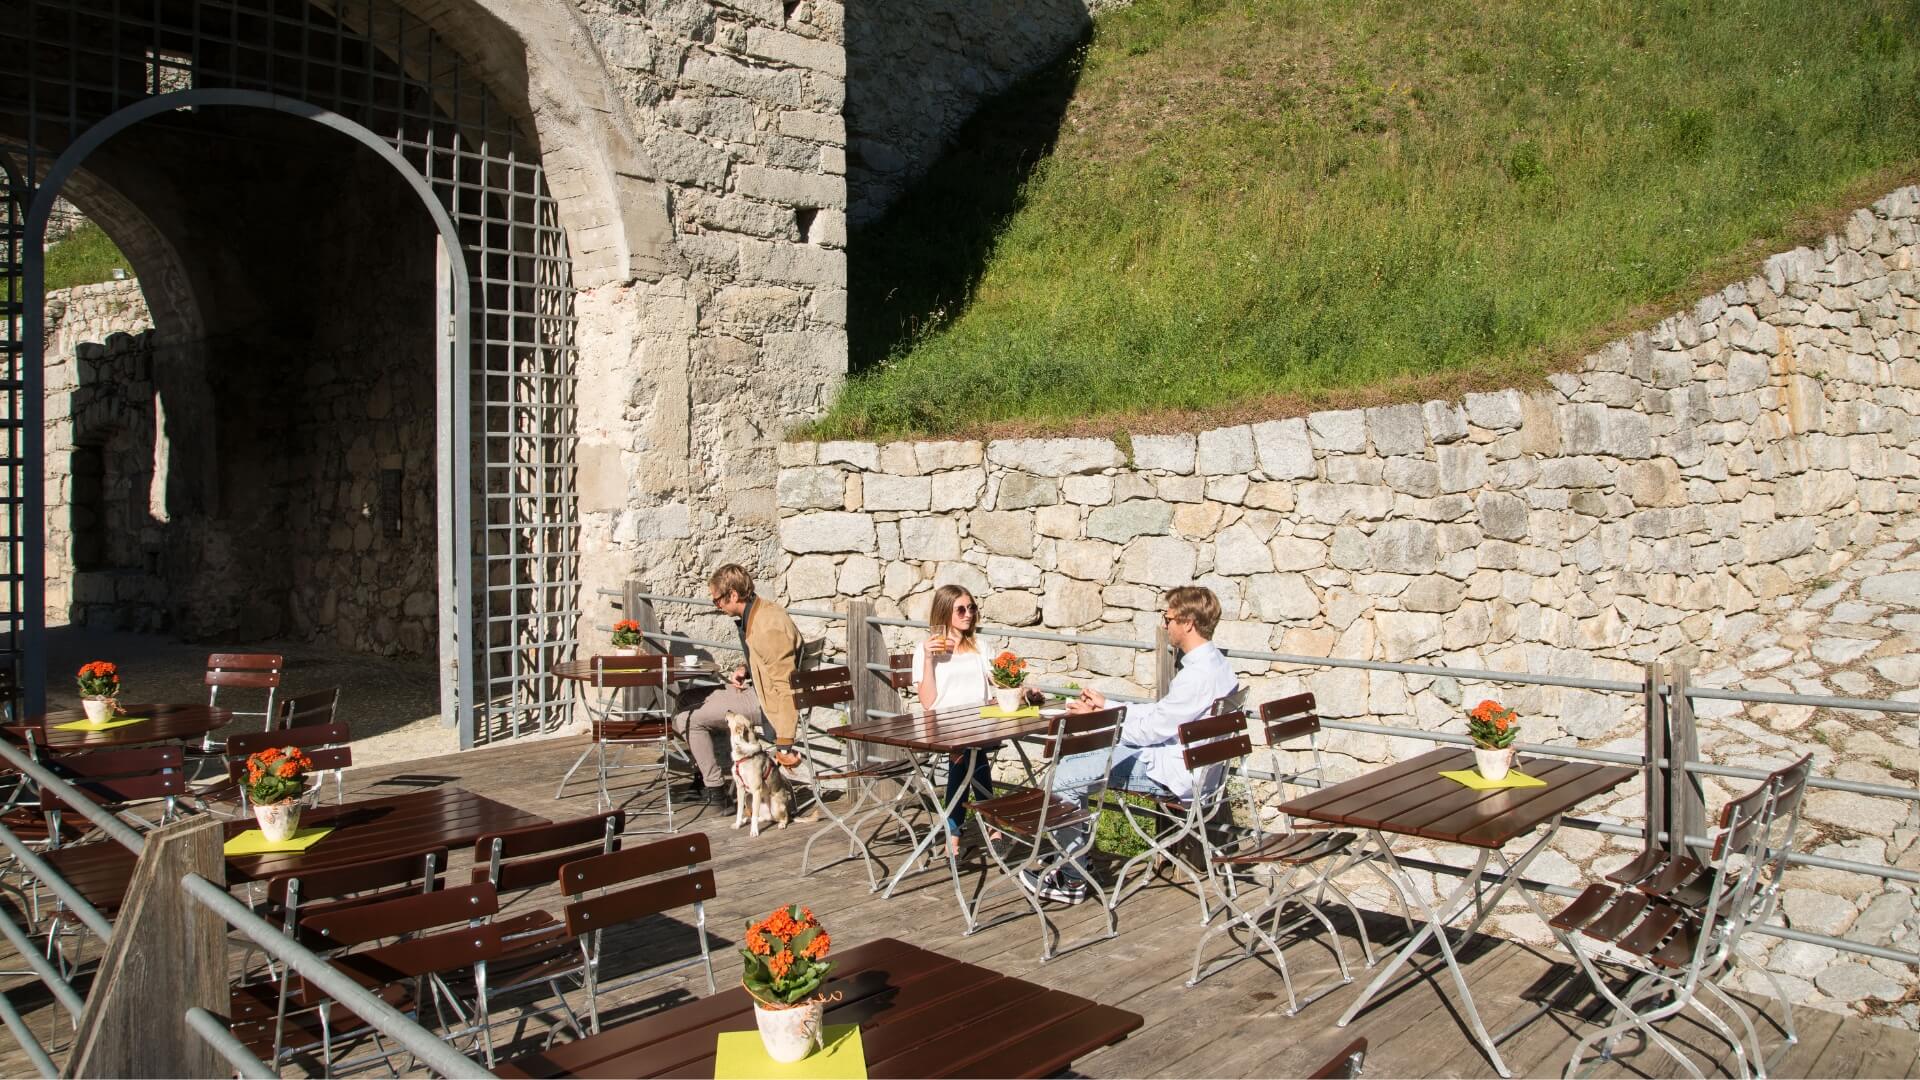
{"type": "Point", "coordinates": [961, 681]}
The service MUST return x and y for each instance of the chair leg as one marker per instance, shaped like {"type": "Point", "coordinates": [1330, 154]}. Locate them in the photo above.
{"type": "Point", "coordinates": [577, 762]}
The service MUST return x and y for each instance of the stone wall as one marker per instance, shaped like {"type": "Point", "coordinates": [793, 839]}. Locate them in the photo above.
{"type": "Point", "coordinates": [688, 379]}
{"type": "Point", "coordinates": [94, 333]}
{"type": "Point", "coordinates": [917, 71]}
{"type": "Point", "coordinates": [1641, 508]}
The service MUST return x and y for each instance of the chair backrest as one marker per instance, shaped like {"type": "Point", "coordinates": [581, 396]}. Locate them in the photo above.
{"type": "Point", "coordinates": [115, 778]}
{"type": "Point", "coordinates": [532, 856]}
{"type": "Point", "coordinates": [245, 671]}
{"type": "Point", "coordinates": [312, 707]}
{"type": "Point", "coordinates": [810, 653]}
{"type": "Point", "coordinates": [355, 885]}
{"type": "Point", "coordinates": [327, 745]}
{"type": "Point", "coordinates": [621, 672]}
{"type": "Point", "coordinates": [1289, 718]}
{"type": "Point", "coordinates": [674, 866]}
{"type": "Point", "coordinates": [1212, 740]}
{"type": "Point", "coordinates": [1082, 733]}
{"type": "Point", "coordinates": [413, 927]}
{"type": "Point", "coordinates": [822, 687]}
{"type": "Point", "coordinates": [900, 673]}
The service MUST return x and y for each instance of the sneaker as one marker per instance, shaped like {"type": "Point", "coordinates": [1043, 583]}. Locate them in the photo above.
{"type": "Point", "coordinates": [1055, 886]}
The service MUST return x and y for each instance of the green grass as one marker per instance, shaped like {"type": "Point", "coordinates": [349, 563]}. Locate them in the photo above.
{"type": "Point", "coordinates": [1245, 205]}
{"type": "Point", "coordinates": [83, 257]}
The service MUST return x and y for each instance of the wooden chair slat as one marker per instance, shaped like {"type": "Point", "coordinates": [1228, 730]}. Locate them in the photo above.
{"type": "Point", "coordinates": [601, 871]}
{"type": "Point", "coordinates": [404, 915]}
{"type": "Point", "coordinates": [1211, 727]}
{"type": "Point", "coordinates": [255, 680]}
{"type": "Point", "coordinates": [1201, 755]}
{"type": "Point", "coordinates": [638, 902]}
{"type": "Point", "coordinates": [534, 839]}
{"type": "Point", "coordinates": [819, 677]}
{"type": "Point", "coordinates": [103, 763]}
{"type": "Point", "coordinates": [252, 742]}
{"type": "Point", "coordinates": [409, 869]}
{"type": "Point", "coordinates": [309, 708]}
{"type": "Point", "coordinates": [823, 697]}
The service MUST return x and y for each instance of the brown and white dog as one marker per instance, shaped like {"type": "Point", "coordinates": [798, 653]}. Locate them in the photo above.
{"type": "Point", "coordinates": [760, 791]}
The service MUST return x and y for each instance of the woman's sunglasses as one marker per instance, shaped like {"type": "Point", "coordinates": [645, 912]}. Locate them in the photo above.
{"type": "Point", "coordinates": [963, 609]}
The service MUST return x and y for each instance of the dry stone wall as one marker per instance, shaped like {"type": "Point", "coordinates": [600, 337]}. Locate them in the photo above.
{"type": "Point", "coordinates": [1643, 507]}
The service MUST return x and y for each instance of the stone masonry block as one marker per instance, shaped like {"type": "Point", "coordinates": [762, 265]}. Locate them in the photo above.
{"type": "Point", "coordinates": [1284, 449]}
{"type": "Point", "coordinates": [1055, 457]}
{"type": "Point", "coordinates": [1226, 451]}
{"type": "Point", "coordinates": [1342, 431]}
{"type": "Point", "coordinates": [1170, 453]}
{"type": "Point", "coordinates": [791, 186]}
{"type": "Point", "coordinates": [823, 56]}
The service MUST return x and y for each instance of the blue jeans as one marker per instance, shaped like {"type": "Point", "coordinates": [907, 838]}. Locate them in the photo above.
{"type": "Point", "coordinates": [1076, 773]}
{"type": "Point", "coordinates": [976, 767]}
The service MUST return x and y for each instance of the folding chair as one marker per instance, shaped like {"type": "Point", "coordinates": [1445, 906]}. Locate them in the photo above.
{"type": "Point", "coordinates": [605, 895]}
{"type": "Point", "coordinates": [1206, 746]}
{"type": "Point", "coordinates": [328, 745]}
{"type": "Point", "coordinates": [1025, 819]}
{"type": "Point", "coordinates": [234, 672]}
{"type": "Point", "coordinates": [826, 688]}
{"type": "Point", "coordinates": [309, 708]}
{"type": "Point", "coordinates": [119, 781]}
{"type": "Point", "coordinates": [618, 725]}
{"type": "Point", "coordinates": [1286, 857]}
{"type": "Point", "coordinates": [259, 1008]}
{"type": "Point", "coordinates": [1676, 932]}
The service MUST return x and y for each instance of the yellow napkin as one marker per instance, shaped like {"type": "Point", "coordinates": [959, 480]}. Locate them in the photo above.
{"type": "Point", "coordinates": [118, 721]}
{"type": "Point", "coordinates": [995, 712]}
{"type": "Point", "coordinates": [740, 1055]}
{"type": "Point", "coordinates": [254, 842]}
{"type": "Point", "coordinates": [1514, 778]}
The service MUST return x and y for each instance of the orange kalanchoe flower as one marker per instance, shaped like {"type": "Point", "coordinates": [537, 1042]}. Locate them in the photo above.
{"type": "Point", "coordinates": [781, 924]}
{"type": "Point", "coordinates": [817, 948]}
{"type": "Point", "coordinates": [757, 942]}
{"type": "Point", "coordinates": [781, 963]}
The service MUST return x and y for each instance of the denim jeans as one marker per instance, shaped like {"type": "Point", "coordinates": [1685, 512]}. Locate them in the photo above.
{"type": "Point", "coordinates": [1076, 773]}
{"type": "Point", "coordinates": [975, 766]}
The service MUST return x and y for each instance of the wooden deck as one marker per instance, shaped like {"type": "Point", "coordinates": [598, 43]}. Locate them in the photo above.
{"type": "Point", "coordinates": [1234, 1024]}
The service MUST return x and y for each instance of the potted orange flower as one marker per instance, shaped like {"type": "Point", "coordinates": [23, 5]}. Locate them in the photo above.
{"type": "Point", "coordinates": [1493, 728]}
{"type": "Point", "coordinates": [276, 779]}
{"type": "Point", "coordinates": [99, 684]}
{"type": "Point", "coordinates": [1009, 672]}
{"type": "Point", "coordinates": [786, 963]}
{"type": "Point", "coordinates": [626, 638]}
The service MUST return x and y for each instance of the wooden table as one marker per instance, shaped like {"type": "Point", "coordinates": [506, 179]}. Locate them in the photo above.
{"type": "Point", "coordinates": [389, 825]}
{"type": "Point", "coordinates": [1413, 799]}
{"type": "Point", "coordinates": [582, 670]}
{"type": "Point", "coordinates": [675, 672]}
{"type": "Point", "coordinates": [920, 1014]}
{"type": "Point", "coordinates": [164, 723]}
{"type": "Point", "coordinates": [928, 736]}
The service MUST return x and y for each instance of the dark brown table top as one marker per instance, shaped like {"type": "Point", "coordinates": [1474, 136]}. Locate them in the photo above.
{"type": "Point", "coordinates": [948, 730]}
{"type": "Point", "coordinates": [390, 825]}
{"type": "Point", "coordinates": [1413, 799]}
{"type": "Point", "coordinates": [164, 723]}
{"type": "Point", "coordinates": [920, 1014]}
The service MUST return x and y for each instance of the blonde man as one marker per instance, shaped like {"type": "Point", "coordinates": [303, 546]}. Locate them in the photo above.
{"type": "Point", "coordinates": [1147, 759]}
{"type": "Point", "coordinates": [760, 688]}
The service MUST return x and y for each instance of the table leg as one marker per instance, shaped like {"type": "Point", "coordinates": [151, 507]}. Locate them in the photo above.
{"type": "Point", "coordinates": [944, 808]}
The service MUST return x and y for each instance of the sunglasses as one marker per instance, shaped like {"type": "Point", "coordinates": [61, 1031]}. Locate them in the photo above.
{"type": "Point", "coordinates": [963, 609]}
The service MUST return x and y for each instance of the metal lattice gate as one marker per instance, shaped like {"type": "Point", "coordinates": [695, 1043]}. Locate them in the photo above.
{"type": "Point", "coordinates": [73, 72]}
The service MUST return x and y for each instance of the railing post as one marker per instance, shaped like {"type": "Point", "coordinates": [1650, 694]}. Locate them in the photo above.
{"type": "Point", "coordinates": [867, 644]}
{"type": "Point", "coordinates": [641, 610]}
{"type": "Point", "coordinates": [167, 954]}
{"type": "Point", "coordinates": [1689, 814]}
{"type": "Point", "coordinates": [1163, 659]}
{"type": "Point", "coordinates": [1658, 779]}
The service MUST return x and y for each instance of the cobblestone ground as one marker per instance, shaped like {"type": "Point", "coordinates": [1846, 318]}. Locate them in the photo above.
{"type": "Point", "coordinates": [392, 707]}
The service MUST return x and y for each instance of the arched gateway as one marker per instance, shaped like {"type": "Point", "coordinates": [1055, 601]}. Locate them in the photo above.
{"type": "Point", "coordinates": [77, 74]}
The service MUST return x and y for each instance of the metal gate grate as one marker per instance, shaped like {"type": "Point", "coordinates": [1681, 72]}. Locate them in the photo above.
{"type": "Point", "coordinates": [12, 497]}
{"type": "Point", "coordinates": [71, 71]}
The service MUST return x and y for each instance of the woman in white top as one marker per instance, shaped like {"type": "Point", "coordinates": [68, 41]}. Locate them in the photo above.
{"type": "Point", "coordinates": [950, 672]}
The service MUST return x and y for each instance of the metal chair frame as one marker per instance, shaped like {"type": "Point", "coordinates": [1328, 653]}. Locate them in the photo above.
{"type": "Point", "coordinates": [1207, 744]}
{"type": "Point", "coordinates": [645, 726]}
{"type": "Point", "coordinates": [1287, 855]}
{"type": "Point", "coordinates": [1070, 734]}
{"type": "Point", "coordinates": [828, 688]}
{"type": "Point", "coordinates": [1676, 931]}
{"type": "Point", "coordinates": [242, 671]}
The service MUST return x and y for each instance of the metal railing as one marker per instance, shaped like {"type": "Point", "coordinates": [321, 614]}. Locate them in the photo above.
{"type": "Point", "coordinates": [1637, 761]}
{"type": "Point", "coordinates": [431, 1051]}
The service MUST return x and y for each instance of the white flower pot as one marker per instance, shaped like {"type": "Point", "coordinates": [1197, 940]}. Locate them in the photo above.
{"type": "Point", "coordinates": [1007, 697]}
{"type": "Point", "coordinates": [635, 651]}
{"type": "Point", "coordinates": [278, 821]}
{"type": "Point", "coordinates": [1493, 764]}
{"type": "Point", "coordinates": [791, 1032]}
{"type": "Point", "coordinates": [99, 710]}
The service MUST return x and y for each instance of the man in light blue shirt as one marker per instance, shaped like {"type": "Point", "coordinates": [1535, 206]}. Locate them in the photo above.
{"type": "Point", "coordinates": [1147, 759]}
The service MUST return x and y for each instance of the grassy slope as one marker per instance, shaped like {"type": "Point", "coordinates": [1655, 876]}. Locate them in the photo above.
{"type": "Point", "coordinates": [1259, 205]}
{"type": "Point", "coordinates": [83, 257]}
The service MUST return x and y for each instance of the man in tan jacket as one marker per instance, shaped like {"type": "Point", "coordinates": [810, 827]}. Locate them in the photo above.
{"type": "Point", "coordinates": [761, 687]}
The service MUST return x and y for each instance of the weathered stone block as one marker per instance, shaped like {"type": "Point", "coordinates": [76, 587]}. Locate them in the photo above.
{"type": "Point", "coordinates": [1397, 430]}
{"type": "Point", "coordinates": [1462, 467]}
{"type": "Point", "coordinates": [834, 531]}
{"type": "Point", "coordinates": [1122, 522]}
{"type": "Point", "coordinates": [1335, 503]}
{"type": "Point", "coordinates": [1280, 598]}
{"type": "Point", "coordinates": [1446, 421]}
{"type": "Point", "coordinates": [1342, 431]}
{"type": "Point", "coordinates": [935, 456]}
{"type": "Point", "coordinates": [812, 576]}
{"type": "Point", "coordinates": [1005, 532]}
{"type": "Point", "coordinates": [1164, 561]}
{"type": "Point", "coordinates": [1055, 457]}
{"type": "Point", "coordinates": [1069, 603]}
{"type": "Point", "coordinates": [1020, 491]}
{"type": "Point", "coordinates": [884, 492]}
{"type": "Point", "coordinates": [957, 489]}
{"type": "Point", "coordinates": [1404, 547]}
{"type": "Point", "coordinates": [1498, 411]}
{"type": "Point", "coordinates": [1502, 516]}
{"type": "Point", "coordinates": [1226, 451]}
{"type": "Point", "coordinates": [860, 455]}
{"type": "Point", "coordinates": [929, 539]}
{"type": "Point", "coordinates": [1170, 453]}
{"type": "Point", "coordinates": [1238, 551]}
{"type": "Point", "coordinates": [1284, 449]}
{"type": "Point", "coordinates": [1087, 490]}
{"type": "Point", "coordinates": [811, 487]}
